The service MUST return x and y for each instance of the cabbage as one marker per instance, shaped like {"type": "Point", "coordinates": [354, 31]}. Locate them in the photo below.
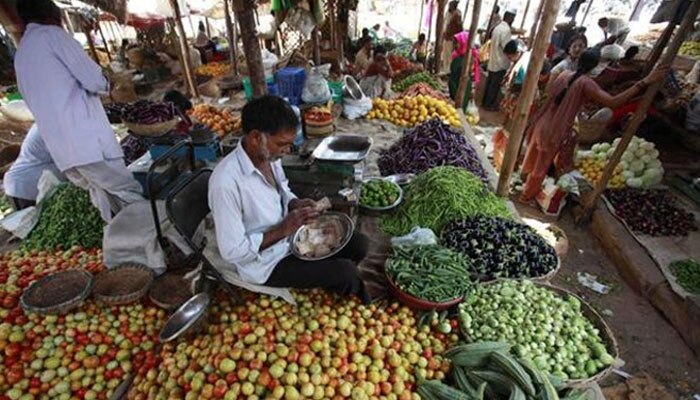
{"type": "Point", "coordinates": [654, 163]}
{"type": "Point", "coordinates": [636, 166]}
{"type": "Point", "coordinates": [632, 148]}
{"type": "Point", "coordinates": [604, 146]}
{"type": "Point", "coordinates": [646, 145]}
{"type": "Point", "coordinates": [616, 142]}
{"type": "Point", "coordinates": [640, 152]}
{"type": "Point", "coordinates": [595, 147]}
{"type": "Point", "coordinates": [627, 174]}
{"type": "Point", "coordinates": [624, 164]}
{"type": "Point", "coordinates": [627, 157]}
{"type": "Point", "coordinates": [634, 182]}
{"type": "Point", "coordinates": [654, 153]}
{"type": "Point", "coordinates": [646, 158]}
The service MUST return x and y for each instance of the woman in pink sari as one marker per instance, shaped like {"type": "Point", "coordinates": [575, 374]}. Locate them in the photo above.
{"type": "Point", "coordinates": [565, 97]}
{"type": "Point", "coordinates": [461, 41]}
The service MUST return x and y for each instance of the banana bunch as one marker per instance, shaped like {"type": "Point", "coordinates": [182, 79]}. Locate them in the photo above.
{"type": "Point", "coordinates": [486, 370]}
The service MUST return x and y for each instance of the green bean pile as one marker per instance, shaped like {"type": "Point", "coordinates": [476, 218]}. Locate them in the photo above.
{"type": "Point", "coordinates": [432, 273]}
{"type": "Point", "coordinates": [67, 219]}
{"type": "Point", "coordinates": [440, 195]}
{"type": "Point", "coordinates": [687, 274]}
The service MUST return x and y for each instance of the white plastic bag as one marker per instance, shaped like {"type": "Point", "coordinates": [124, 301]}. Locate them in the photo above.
{"type": "Point", "coordinates": [269, 61]}
{"type": "Point", "coordinates": [417, 237]}
{"type": "Point", "coordinates": [20, 223]}
{"type": "Point", "coordinates": [353, 109]}
{"type": "Point", "coordinates": [302, 20]}
{"type": "Point", "coordinates": [316, 88]}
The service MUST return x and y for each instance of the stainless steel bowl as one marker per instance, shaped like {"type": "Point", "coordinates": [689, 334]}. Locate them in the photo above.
{"type": "Point", "coordinates": [348, 226]}
{"type": "Point", "coordinates": [185, 316]}
{"type": "Point", "coordinates": [385, 208]}
{"type": "Point", "coordinates": [402, 179]}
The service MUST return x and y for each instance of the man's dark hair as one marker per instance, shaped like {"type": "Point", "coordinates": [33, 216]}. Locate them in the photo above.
{"type": "Point", "coordinates": [380, 50]}
{"type": "Point", "coordinates": [180, 100]}
{"type": "Point", "coordinates": [38, 11]}
{"type": "Point", "coordinates": [365, 32]}
{"type": "Point", "coordinates": [631, 53]}
{"type": "Point", "coordinates": [509, 16]}
{"type": "Point", "coordinates": [376, 27]}
{"type": "Point", "coordinates": [421, 37]}
{"type": "Point", "coordinates": [497, 9]}
{"type": "Point", "coordinates": [268, 114]}
{"type": "Point", "coordinates": [453, 5]}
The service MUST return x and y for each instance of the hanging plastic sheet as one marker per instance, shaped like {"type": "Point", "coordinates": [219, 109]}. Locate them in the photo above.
{"type": "Point", "coordinates": [667, 9]}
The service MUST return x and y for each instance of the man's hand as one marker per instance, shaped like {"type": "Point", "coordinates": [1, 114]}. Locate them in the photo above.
{"type": "Point", "coordinates": [296, 218]}
{"type": "Point", "coordinates": [300, 203]}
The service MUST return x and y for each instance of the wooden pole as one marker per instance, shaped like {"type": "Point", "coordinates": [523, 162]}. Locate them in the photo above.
{"type": "Point", "coordinates": [430, 25]}
{"type": "Point", "coordinates": [635, 10]}
{"type": "Point", "coordinates": [588, 9]}
{"type": "Point", "coordinates": [439, 29]}
{"type": "Point", "coordinates": [640, 113]}
{"type": "Point", "coordinates": [660, 44]}
{"type": "Point", "coordinates": [206, 20]}
{"type": "Point", "coordinates": [316, 41]}
{"type": "Point", "coordinates": [527, 94]}
{"type": "Point", "coordinates": [113, 33]}
{"type": "Point", "coordinates": [464, 17]}
{"type": "Point", "coordinates": [104, 40]}
{"type": "Point", "coordinates": [536, 22]}
{"type": "Point", "coordinates": [189, 77]}
{"type": "Point", "coordinates": [527, 8]}
{"type": "Point", "coordinates": [230, 36]}
{"type": "Point", "coordinates": [194, 31]}
{"type": "Point", "coordinates": [420, 19]}
{"type": "Point", "coordinates": [91, 44]}
{"type": "Point", "coordinates": [466, 67]}
{"type": "Point", "coordinates": [493, 12]}
{"type": "Point", "coordinates": [245, 14]}
{"type": "Point", "coordinates": [332, 24]}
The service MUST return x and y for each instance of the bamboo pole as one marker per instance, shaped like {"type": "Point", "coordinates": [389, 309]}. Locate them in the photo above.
{"type": "Point", "coordinates": [206, 20]}
{"type": "Point", "coordinates": [316, 41]}
{"type": "Point", "coordinates": [588, 9]}
{"type": "Point", "coordinates": [464, 17]}
{"type": "Point", "coordinates": [527, 94]}
{"type": "Point", "coordinates": [189, 77]}
{"type": "Point", "coordinates": [489, 26]}
{"type": "Point", "coordinates": [91, 45]}
{"type": "Point", "coordinates": [527, 8]}
{"type": "Point", "coordinates": [420, 19]}
{"type": "Point", "coordinates": [439, 29]}
{"type": "Point", "coordinates": [640, 113]}
{"type": "Point", "coordinates": [332, 24]}
{"type": "Point", "coordinates": [661, 42]}
{"type": "Point", "coordinates": [635, 10]}
{"type": "Point", "coordinates": [466, 67]}
{"type": "Point", "coordinates": [104, 40]}
{"type": "Point", "coordinates": [536, 22]}
{"type": "Point", "coordinates": [194, 31]}
{"type": "Point", "coordinates": [231, 38]}
{"type": "Point", "coordinates": [245, 14]}
{"type": "Point", "coordinates": [430, 25]}
{"type": "Point", "coordinates": [113, 33]}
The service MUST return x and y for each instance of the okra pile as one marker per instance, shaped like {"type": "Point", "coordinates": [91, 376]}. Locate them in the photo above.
{"type": "Point", "coordinates": [500, 248]}
{"type": "Point", "coordinates": [67, 219]}
{"type": "Point", "coordinates": [440, 195]}
{"type": "Point", "coordinates": [543, 326]}
{"type": "Point", "coordinates": [687, 273]}
{"type": "Point", "coordinates": [431, 273]}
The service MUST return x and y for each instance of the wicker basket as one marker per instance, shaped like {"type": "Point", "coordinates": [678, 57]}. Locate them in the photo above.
{"type": "Point", "coordinates": [592, 315]}
{"type": "Point", "coordinates": [57, 293]}
{"type": "Point", "coordinates": [123, 284]}
{"type": "Point", "coordinates": [170, 291]}
{"type": "Point", "coordinates": [152, 130]}
{"type": "Point", "coordinates": [592, 131]}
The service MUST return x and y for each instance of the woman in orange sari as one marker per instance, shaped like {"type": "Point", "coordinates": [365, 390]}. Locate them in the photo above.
{"type": "Point", "coordinates": [565, 97]}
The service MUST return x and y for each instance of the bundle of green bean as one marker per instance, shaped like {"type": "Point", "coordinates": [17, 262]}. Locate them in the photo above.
{"type": "Point", "coordinates": [67, 219]}
{"type": "Point", "coordinates": [432, 273]}
{"type": "Point", "coordinates": [440, 195]}
{"type": "Point", "coordinates": [687, 274]}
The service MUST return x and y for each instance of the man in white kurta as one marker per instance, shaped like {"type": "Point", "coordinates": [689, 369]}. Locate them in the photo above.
{"type": "Point", "coordinates": [61, 86]}
{"type": "Point", "coordinates": [498, 61]}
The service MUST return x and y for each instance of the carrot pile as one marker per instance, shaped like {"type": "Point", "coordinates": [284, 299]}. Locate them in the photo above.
{"type": "Point", "coordinates": [424, 89]}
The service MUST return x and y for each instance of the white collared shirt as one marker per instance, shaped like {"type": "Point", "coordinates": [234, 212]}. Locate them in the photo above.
{"type": "Point", "coordinates": [244, 206]}
{"type": "Point", "coordinates": [61, 85]}
{"type": "Point", "coordinates": [498, 61]}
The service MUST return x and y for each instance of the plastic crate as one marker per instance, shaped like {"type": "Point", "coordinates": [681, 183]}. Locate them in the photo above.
{"type": "Point", "coordinates": [204, 152]}
{"type": "Point", "coordinates": [337, 90]}
{"type": "Point", "coordinates": [290, 83]}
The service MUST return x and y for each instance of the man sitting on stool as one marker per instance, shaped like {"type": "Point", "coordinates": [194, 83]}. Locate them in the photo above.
{"type": "Point", "coordinates": [255, 212]}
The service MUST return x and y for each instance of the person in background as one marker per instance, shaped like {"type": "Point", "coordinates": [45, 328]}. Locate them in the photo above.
{"type": "Point", "coordinates": [453, 26]}
{"type": "Point", "coordinates": [21, 180]}
{"type": "Point", "coordinates": [550, 139]}
{"type": "Point", "coordinates": [614, 29]}
{"type": "Point", "coordinates": [255, 212]}
{"type": "Point", "coordinates": [498, 62]}
{"type": "Point", "coordinates": [62, 87]}
{"type": "Point", "coordinates": [461, 41]}
{"type": "Point", "coordinates": [374, 33]}
{"type": "Point", "coordinates": [377, 78]}
{"type": "Point", "coordinates": [202, 42]}
{"type": "Point", "coordinates": [363, 58]}
{"type": "Point", "coordinates": [122, 52]}
{"type": "Point", "coordinates": [494, 21]}
{"type": "Point", "coordinates": [419, 50]}
{"type": "Point", "coordinates": [389, 32]}
{"type": "Point", "coordinates": [517, 54]}
{"type": "Point", "coordinates": [574, 48]}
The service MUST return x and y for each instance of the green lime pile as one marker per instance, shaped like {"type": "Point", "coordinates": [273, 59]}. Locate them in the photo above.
{"type": "Point", "coordinates": [378, 193]}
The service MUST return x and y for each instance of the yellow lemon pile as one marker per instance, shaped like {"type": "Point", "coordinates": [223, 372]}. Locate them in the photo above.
{"type": "Point", "coordinates": [592, 169]}
{"type": "Point", "coordinates": [413, 110]}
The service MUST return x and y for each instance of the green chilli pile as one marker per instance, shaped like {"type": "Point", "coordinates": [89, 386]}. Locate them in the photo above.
{"type": "Point", "coordinates": [687, 273]}
{"type": "Point", "coordinates": [543, 326]}
{"type": "Point", "coordinates": [432, 273]}
{"type": "Point", "coordinates": [440, 195]}
{"type": "Point", "coordinates": [67, 219]}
